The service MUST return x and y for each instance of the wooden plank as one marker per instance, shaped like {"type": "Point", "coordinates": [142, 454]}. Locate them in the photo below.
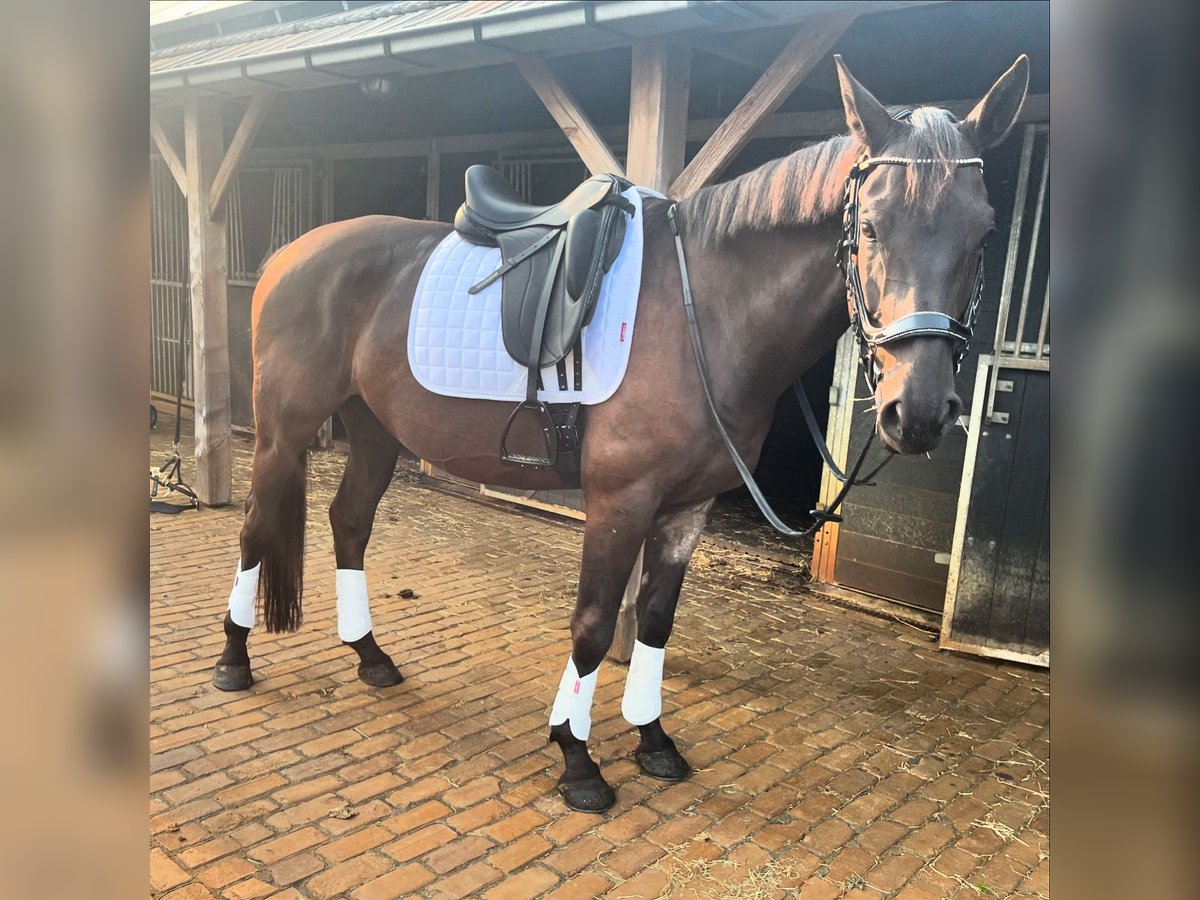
{"type": "Point", "coordinates": [898, 499]}
{"type": "Point", "coordinates": [915, 531]}
{"type": "Point", "coordinates": [252, 120]}
{"type": "Point", "coordinates": [573, 121]}
{"type": "Point", "coordinates": [901, 587]}
{"type": "Point", "coordinates": [838, 432]}
{"type": "Point", "coordinates": [896, 556]}
{"type": "Point", "coordinates": [169, 154]}
{"type": "Point", "coordinates": [207, 242]}
{"type": "Point", "coordinates": [433, 182]}
{"type": "Point", "coordinates": [810, 45]}
{"type": "Point", "coordinates": [658, 103]}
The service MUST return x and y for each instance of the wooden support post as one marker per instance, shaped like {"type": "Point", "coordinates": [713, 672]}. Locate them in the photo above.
{"type": "Point", "coordinates": [203, 151]}
{"type": "Point", "coordinates": [253, 118]}
{"type": "Point", "coordinates": [626, 633]}
{"type": "Point", "coordinates": [658, 105]}
{"type": "Point", "coordinates": [812, 42]}
{"type": "Point", "coordinates": [573, 121]}
{"type": "Point", "coordinates": [169, 154]}
{"type": "Point", "coordinates": [433, 182]}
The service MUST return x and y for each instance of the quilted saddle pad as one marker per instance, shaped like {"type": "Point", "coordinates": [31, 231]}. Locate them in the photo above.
{"type": "Point", "coordinates": [455, 346]}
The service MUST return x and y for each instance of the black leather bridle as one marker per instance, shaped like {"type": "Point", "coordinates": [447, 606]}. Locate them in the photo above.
{"type": "Point", "coordinates": [924, 323]}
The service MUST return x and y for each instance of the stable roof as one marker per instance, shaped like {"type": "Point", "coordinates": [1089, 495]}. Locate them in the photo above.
{"type": "Point", "coordinates": [423, 36]}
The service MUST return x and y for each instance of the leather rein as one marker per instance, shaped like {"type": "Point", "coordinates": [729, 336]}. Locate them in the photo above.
{"type": "Point", "coordinates": [918, 324]}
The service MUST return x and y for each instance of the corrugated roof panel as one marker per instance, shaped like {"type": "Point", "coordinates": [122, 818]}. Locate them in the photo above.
{"type": "Point", "coordinates": [306, 35]}
{"type": "Point", "coordinates": [431, 35]}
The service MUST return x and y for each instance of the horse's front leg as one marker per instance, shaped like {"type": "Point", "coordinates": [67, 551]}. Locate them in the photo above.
{"type": "Point", "coordinates": [669, 547]}
{"type": "Point", "coordinates": [616, 526]}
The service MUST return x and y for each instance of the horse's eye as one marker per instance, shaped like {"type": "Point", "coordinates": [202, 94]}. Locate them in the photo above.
{"type": "Point", "coordinates": [868, 231]}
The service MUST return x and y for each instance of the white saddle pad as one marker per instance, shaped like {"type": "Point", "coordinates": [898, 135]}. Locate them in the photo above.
{"type": "Point", "coordinates": [455, 345]}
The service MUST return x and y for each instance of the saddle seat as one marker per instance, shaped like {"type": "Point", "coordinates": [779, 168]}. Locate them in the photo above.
{"type": "Point", "coordinates": [553, 262]}
{"type": "Point", "coordinates": [493, 203]}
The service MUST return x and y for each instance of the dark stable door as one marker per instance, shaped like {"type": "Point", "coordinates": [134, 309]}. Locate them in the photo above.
{"type": "Point", "coordinates": [1002, 592]}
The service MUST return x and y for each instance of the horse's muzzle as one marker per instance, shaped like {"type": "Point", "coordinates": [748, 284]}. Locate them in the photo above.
{"type": "Point", "coordinates": [911, 428]}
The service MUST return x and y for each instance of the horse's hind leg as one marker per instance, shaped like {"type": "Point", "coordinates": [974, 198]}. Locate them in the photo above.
{"type": "Point", "coordinates": [373, 453]}
{"type": "Point", "coordinates": [616, 526]}
{"type": "Point", "coordinates": [669, 547]}
{"type": "Point", "coordinates": [272, 545]}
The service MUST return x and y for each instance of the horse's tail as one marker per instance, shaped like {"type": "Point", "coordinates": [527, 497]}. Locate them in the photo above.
{"type": "Point", "coordinates": [283, 554]}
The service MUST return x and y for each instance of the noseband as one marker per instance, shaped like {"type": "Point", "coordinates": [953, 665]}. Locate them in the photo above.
{"type": "Point", "coordinates": [924, 323]}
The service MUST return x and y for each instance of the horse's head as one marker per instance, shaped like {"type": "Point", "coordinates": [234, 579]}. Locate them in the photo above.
{"type": "Point", "coordinates": [917, 217]}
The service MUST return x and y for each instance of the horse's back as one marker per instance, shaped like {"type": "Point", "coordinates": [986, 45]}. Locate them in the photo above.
{"type": "Point", "coordinates": [342, 262]}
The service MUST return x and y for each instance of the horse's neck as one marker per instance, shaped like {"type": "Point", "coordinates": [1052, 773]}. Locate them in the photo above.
{"type": "Point", "coordinates": [770, 304]}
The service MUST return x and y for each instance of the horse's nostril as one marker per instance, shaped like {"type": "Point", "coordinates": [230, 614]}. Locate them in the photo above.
{"type": "Point", "coordinates": [890, 418]}
{"type": "Point", "coordinates": [953, 411]}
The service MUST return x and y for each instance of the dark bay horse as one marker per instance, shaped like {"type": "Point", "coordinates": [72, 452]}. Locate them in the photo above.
{"type": "Point", "coordinates": [330, 322]}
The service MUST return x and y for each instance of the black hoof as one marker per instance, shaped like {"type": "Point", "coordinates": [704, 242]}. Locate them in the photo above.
{"type": "Point", "coordinates": [380, 674]}
{"type": "Point", "coordinates": [232, 677]}
{"type": "Point", "coordinates": [590, 795]}
{"type": "Point", "coordinates": [666, 764]}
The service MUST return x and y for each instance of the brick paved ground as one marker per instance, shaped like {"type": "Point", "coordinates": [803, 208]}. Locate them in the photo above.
{"type": "Point", "coordinates": [837, 755]}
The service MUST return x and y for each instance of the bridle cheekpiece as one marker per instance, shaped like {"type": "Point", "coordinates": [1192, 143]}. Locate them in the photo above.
{"type": "Point", "coordinates": [924, 323]}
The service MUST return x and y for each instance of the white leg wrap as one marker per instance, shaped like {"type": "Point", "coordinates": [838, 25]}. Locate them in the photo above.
{"type": "Point", "coordinates": [354, 610]}
{"type": "Point", "coordinates": [642, 703]}
{"type": "Point", "coordinates": [243, 596]}
{"type": "Point", "coordinates": [573, 703]}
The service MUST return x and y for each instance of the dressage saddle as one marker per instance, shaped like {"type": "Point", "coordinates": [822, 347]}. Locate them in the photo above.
{"type": "Point", "coordinates": [553, 262]}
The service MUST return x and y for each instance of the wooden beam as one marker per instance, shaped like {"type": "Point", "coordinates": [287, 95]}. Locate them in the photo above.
{"type": "Point", "coordinates": [573, 121]}
{"type": "Point", "coordinates": [168, 152]}
{"type": "Point", "coordinates": [207, 243]}
{"type": "Point", "coordinates": [252, 119]}
{"type": "Point", "coordinates": [433, 183]}
{"type": "Point", "coordinates": [810, 45]}
{"type": "Point", "coordinates": [658, 103]}
{"type": "Point", "coordinates": [788, 125]}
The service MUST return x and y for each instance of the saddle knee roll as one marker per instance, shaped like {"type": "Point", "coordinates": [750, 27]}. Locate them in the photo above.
{"type": "Point", "coordinates": [590, 252]}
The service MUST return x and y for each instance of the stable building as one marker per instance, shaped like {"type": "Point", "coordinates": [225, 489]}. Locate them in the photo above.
{"type": "Point", "coordinates": [271, 118]}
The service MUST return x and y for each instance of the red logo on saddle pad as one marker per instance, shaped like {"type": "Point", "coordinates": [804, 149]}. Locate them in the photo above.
{"type": "Point", "coordinates": [577, 683]}
{"type": "Point", "coordinates": [622, 332]}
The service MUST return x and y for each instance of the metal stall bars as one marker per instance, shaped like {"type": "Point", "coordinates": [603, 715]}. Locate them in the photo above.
{"type": "Point", "coordinates": [268, 206]}
{"type": "Point", "coordinates": [998, 590]}
{"type": "Point", "coordinates": [168, 282]}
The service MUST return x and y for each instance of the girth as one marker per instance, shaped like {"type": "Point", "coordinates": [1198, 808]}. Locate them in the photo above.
{"type": "Point", "coordinates": [554, 260]}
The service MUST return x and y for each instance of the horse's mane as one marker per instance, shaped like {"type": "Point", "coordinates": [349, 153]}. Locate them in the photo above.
{"type": "Point", "coordinates": [805, 187]}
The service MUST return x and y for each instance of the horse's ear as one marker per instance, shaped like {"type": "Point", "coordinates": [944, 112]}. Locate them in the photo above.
{"type": "Point", "coordinates": [995, 114]}
{"type": "Point", "coordinates": [866, 117]}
